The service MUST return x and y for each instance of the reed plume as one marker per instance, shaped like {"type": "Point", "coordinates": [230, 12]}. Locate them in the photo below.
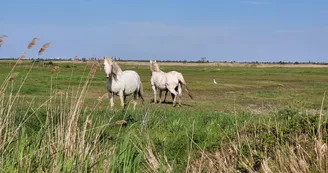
{"type": "Point", "coordinates": [22, 56]}
{"type": "Point", "coordinates": [2, 38]}
{"type": "Point", "coordinates": [19, 61]}
{"type": "Point", "coordinates": [44, 48]}
{"type": "Point", "coordinates": [54, 69]}
{"type": "Point", "coordinates": [32, 43]}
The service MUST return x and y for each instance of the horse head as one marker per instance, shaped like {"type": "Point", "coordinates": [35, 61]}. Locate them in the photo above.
{"type": "Point", "coordinates": [111, 68]}
{"type": "Point", "coordinates": [154, 67]}
{"type": "Point", "coordinates": [108, 66]}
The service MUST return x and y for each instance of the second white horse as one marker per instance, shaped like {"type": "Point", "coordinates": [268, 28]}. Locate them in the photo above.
{"type": "Point", "coordinates": [171, 81]}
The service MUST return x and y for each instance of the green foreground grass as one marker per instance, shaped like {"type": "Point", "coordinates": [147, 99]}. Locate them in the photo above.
{"type": "Point", "coordinates": [254, 119]}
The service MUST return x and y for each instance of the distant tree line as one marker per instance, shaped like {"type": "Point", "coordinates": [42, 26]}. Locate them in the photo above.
{"type": "Point", "coordinates": [202, 60]}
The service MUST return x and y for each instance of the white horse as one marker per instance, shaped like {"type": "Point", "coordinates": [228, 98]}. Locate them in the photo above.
{"type": "Point", "coordinates": [122, 83]}
{"type": "Point", "coordinates": [171, 81]}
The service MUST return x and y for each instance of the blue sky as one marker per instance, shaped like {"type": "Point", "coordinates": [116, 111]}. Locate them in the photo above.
{"type": "Point", "coordinates": [221, 30]}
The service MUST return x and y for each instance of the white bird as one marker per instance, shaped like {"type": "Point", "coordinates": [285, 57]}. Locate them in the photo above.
{"type": "Point", "coordinates": [214, 81]}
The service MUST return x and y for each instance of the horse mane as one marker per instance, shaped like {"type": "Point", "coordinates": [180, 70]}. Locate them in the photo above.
{"type": "Point", "coordinates": [116, 70]}
{"type": "Point", "coordinates": [155, 67]}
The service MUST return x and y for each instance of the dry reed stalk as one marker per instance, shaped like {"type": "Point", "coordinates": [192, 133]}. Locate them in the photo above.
{"type": "Point", "coordinates": [23, 55]}
{"type": "Point", "coordinates": [72, 130]}
{"type": "Point", "coordinates": [82, 142]}
{"type": "Point", "coordinates": [71, 136]}
{"type": "Point", "coordinates": [1, 137]}
{"type": "Point", "coordinates": [94, 69]}
{"type": "Point", "coordinates": [296, 161]}
{"type": "Point", "coordinates": [154, 162]}
{"type": "Point", "coordinates": [44, 48]}
{"type": "Point", "coordinates": [20, 58]}
{"type": "Point", "coordinates": [32, 43]}
{"type": "Point", "coordinates": [100, 98]}
{"type": "Point", "coordinates": [321, 152]}
{"type": "Point", "coordinates": [151, 159]}
{"type": "Point", "coordinates": [265, 166]}
{"type": "Point", "coordinates": [320, 147]}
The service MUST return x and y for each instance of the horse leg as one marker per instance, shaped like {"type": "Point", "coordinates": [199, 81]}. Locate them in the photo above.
{"type": "Point", "coordinates": [179, 93]}
{"type": "Point", "coordinates": [172, 90]}
{"type": "Point", "coordinates": [122, 98]}
{"type": "Point", "coordinates": [154, 90]}
{"type": "Point", "coordinates": [165, 95]}
{"type": "Point", "coordinates": [135, 98]}
{"type": "Point", "coordinates": [141, 96]}
{"type": "Point", "coordinates": [172, 95]}
{"type": "Point", "coordinates": [160, 96]}
{"type": "Point", "coordinates": [111, 99]}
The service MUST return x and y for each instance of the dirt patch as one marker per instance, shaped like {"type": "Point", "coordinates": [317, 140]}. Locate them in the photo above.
{"type": "Point", "coordinates": [259, 109]}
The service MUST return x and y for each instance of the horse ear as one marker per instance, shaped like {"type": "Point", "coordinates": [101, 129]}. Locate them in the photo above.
{"type": "Point", "coordinates": [150, 61]}
{"type": "Point", "coordinates": [154, 60]}
{"type": "Point", "coordinates": [104, 57]}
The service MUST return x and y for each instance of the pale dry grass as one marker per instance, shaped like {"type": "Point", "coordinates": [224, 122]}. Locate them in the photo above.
{"type": "Point", "coordinates": [62, 137]}
{"type": "Point", "coordinates": [225, 64]}
{"type": "Point", "coordinates": [211, 64]}
{"type": "Point", "coordinates": [287, 158]}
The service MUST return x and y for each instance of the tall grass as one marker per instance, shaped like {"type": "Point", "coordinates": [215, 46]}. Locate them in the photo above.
{"type": "Point", "coordinates": [63, 134]}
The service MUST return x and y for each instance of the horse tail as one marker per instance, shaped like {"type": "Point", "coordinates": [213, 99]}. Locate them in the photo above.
{"type": "Point", "coordinates": [183, 82]}
{"type": "Point", "coordinates": [141, 93]}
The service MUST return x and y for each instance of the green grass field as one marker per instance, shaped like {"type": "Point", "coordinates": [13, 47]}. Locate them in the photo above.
{"type": "Point", "coordinates": [238, 88]}
{"type": "Point", "coordinates": [254, 119]}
